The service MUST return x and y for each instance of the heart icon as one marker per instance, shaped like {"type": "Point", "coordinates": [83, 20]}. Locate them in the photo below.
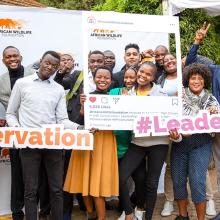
{"type": "Point", "coordinates": [92, 99]}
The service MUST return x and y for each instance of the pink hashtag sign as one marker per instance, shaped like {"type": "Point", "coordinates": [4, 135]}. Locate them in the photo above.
{"type": "Point", "coordinates": [155, 126]}
{"type": "Point", "coordinates": [144, 124]}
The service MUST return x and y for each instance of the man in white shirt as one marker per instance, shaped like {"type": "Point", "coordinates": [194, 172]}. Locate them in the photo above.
{"type": "Point", "coordinates": [96, 59]}
{"type": "Point", "coordinates": [37, 100]}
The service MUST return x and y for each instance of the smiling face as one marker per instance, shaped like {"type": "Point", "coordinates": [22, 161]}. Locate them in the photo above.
{"type": "Point", "coordinates": [160, 53]}
{"type": "Point", "coordinates": [12, 58]}
{"type": "Point", "coordinates": [131, 57]}
{"type": "Point", "coordinates": [196, 84]}
{"type": "Point", "coordinates": [130, 78]}
{"type": "Point", "coordinates": [102, 79]}
{"type": "Point", "coordinates": [145, 75]}
{"type": "Point", "coordinates": [48, 65]}
{"type": "Point", "coordinates": [170, 64]}
{"type": "Point", "coordinates": [95, 61]}
{"type": "Point", "coordinates": [2, 122]}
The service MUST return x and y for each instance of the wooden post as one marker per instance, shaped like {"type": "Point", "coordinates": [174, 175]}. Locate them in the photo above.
{"type": "Point", "coordinates": [165, 7]}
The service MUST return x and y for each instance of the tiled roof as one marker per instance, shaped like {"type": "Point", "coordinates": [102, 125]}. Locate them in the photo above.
{"type": "Point", "coordinates": [26, 3]}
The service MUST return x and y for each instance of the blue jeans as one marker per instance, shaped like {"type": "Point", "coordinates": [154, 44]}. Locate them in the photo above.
{"type": "Point", "coordinates": [192, 163]}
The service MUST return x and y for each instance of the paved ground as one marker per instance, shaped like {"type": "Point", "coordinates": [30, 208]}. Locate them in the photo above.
{"type": "Point", "coordinates": [113, 215]}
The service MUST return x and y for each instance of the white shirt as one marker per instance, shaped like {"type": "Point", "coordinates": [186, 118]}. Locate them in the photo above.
{"type": "Point", "coordinates": [36, 103]}
{"type": "Point", "coordinates": [92, 85]}
{"type": "Point", "coordinates": [171, 86]}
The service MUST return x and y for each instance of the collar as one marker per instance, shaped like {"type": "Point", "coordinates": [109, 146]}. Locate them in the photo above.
{"type": "Point", "coordinates": [90, 75]}
{"type": "Point", "coordinates": [133, 90]}
{"type": "Point", "coordinates": [196, 96]}
{"type": "Point", "coordinates": [35, 77]}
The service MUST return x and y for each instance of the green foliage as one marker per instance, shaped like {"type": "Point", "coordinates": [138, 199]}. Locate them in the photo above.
{"type": "Point", "coordinates": [72, 4]}
{"type": "Point", "coordinates": [131, 6]}
{"type": "Point", "coordinates": [190, 20]}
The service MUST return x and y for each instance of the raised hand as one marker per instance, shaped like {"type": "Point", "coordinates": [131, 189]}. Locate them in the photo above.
{"type": "Point", "coordinates": [201, 33]}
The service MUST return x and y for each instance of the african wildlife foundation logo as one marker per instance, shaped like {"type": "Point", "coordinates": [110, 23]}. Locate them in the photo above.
{"type": "Point", "coordinates": [13, 28]}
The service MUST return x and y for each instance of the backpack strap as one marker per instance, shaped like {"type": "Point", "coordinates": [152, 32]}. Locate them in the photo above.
{"type": "Point", "coordinates": [77, 84]}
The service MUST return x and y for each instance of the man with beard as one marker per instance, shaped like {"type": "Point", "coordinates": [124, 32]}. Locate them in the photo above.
{"type": "Point", "coordinates": [131, 58]}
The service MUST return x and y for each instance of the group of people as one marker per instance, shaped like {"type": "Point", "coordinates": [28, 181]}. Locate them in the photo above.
{"type": "Point", "coordinates": [35, 95]}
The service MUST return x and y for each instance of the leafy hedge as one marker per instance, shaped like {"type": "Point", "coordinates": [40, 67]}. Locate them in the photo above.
{"type": "Point", "coordinates": [190, 20]}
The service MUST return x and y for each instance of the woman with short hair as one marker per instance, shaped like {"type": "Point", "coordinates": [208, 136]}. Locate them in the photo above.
{"type": "Point", "coordinates": [191, 153]}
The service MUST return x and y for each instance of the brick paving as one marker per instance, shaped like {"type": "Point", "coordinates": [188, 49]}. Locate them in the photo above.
{"type": "Point", "coordinates": [113, 215]}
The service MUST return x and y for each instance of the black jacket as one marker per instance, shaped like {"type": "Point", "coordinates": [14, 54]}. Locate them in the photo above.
{"type": "Point", "coordinates": [118, 79]}
{"type": "Point", "coordinates": [73, 105]}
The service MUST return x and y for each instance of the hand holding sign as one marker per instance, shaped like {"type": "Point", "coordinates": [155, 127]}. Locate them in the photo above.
{"type": "Point", "coordinates": [82, 101]}
{"type": "Point", "coordinates": [174, 135]}
{"type": "Point", "coordinates": [212, 110]}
